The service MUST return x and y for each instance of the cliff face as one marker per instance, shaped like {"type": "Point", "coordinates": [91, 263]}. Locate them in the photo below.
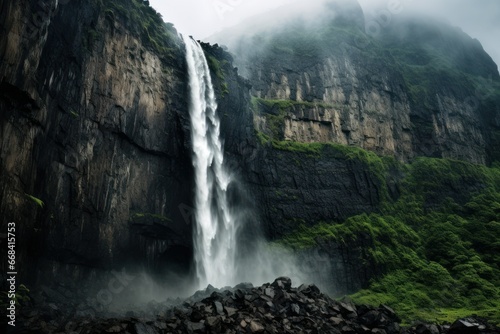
{"type": "Point", "coordinates": [412, 91]}
{"type": "Point", "coordinates": [95, 124]}
{"type": "Point", "coordinates": [294, 187]}
{"type": "Point", "coordinates": [342, 103]}
{"type": "Point", "coordinates": [421, 88]}
{"type": "Point", "coordinates": [95, 127]}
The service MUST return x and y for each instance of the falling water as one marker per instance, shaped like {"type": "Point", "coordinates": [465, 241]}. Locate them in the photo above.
{"type": "Point", "coordinates": [214, 238]}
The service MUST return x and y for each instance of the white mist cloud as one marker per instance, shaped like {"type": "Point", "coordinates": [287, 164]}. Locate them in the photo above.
{"type": "Point", "coordinates": [202, 18]}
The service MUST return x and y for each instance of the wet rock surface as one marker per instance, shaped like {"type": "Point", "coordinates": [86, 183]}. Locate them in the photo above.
{"type": "Point", "coordinates": [97, 128]}
{"type": "Point", "coordinates": [271, 308]}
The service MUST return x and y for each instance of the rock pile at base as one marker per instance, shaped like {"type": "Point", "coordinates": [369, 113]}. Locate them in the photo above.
{"type": "Point", "coordinates": [271, 308]}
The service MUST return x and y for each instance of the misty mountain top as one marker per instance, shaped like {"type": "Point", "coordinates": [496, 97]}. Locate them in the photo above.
{"type": "Point", "coordinates": [310, 15]}
{"type": "Point", "coordinates": [309, 32]}
{"type": "Point", "coordinates": [438, 38]}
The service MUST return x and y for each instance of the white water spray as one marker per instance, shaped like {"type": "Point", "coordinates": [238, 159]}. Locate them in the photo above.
{"type": "Point", "coordinates": [215, 233]}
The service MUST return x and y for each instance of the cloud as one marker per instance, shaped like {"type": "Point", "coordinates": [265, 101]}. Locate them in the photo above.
{"type": "Point", "coordinates": [202, 18]}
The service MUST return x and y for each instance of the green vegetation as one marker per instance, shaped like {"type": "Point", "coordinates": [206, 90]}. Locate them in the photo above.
{"type": "Point", "coordinates": [217, 67]}
{"type": "Point", "coordinates": [274, 114]}
{"type": "Point", "coordinates": [262, 137]}
{"type": "Point", "coordinates": [438, 245]}
{"type": "Point", "coordinates": [36, 200]}
{"type": "Point", "coordinates": [144, 20]}
{"type": "Point", "coordinates": [427, 66]}
{"type": "Point", "coordinates": [423, 81]}
{"type": "Point", "coordinates": [311, 149]}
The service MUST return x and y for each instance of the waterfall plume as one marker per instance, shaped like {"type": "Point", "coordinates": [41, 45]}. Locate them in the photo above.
{"type": "Point", "coordinates": [215, 231]}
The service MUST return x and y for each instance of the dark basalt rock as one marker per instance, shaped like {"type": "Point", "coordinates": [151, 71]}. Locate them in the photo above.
{"type": "Point", "coordinates": [465, 326]}
{"type": "Point", "coordinates": [271, 308]}
{"type": "Point", "coordinates": [100, 132]}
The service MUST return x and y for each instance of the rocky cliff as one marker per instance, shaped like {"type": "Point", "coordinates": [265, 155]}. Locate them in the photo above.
{"type": "Point", "coordinates": [96, 154]}
{"type": "Point", "coordinates": [410, 91]}
{"type": "Point", "coordinates": [419, 88]}
{"type": "Point", "coordinates": [95, 137]}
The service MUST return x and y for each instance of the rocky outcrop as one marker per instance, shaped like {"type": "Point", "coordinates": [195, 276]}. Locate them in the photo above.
{"type": "Point", "coordinates": [271, 308]}
{"type": "Point", "coordinates": [348, 102]}
{"type": "Point", "coordinates": [294, 187]}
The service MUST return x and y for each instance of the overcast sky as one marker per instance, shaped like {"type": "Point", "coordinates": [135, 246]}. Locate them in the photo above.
{"type": "Point", "coordinates": [201, 18]}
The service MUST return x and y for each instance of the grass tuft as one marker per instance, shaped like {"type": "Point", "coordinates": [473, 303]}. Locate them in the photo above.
{"type": "Point", "coordinates": [36, 200]}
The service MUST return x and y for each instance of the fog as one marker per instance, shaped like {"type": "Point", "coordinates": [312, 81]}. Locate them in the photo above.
{"type": "Point", "coordinates": [202, 18]}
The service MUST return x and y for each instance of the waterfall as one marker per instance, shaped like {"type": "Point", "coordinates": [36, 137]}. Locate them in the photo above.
{"type": "Point", "coordinates": [214, 235]}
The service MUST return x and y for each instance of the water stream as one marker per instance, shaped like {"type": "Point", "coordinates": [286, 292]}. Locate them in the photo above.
{"type": "Point", "coordinates": [215, 232]}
